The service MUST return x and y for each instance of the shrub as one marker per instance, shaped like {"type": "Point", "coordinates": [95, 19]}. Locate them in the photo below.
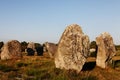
{"type": "Point", "coordinates": [21, 64]}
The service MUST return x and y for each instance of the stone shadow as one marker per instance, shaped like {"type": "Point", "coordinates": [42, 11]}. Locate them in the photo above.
{"type": "Point", "coordinates": [89, 66]}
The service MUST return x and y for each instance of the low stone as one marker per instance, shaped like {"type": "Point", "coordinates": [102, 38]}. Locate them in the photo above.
{"type": "Point", "coordinates": [31, 49]}
{"type": "Point", "coordinates": [50, 48]}
{"type": "Point", "coordinates": [11, 50]}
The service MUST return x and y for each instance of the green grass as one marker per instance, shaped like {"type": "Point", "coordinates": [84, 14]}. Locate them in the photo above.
{"type": "Point", "coordinates": [41, 68]}
{"type": "Point", "coordinates": [21, 64]}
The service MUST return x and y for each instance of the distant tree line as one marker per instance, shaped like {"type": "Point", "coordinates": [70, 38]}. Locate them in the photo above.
{"type": "Point", "coordinates": [40, 47]}
{"type": "Point", "coordinates": [23, 46]}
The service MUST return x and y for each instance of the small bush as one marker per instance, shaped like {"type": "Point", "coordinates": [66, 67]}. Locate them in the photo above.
{"type": "Point", "coordinates": [21, 64]}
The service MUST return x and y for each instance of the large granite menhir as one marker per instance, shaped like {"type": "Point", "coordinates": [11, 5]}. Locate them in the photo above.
{"type": "Point", "coordinates": [73, 49]}
{"type": "Point", "coordinates": [106, 50]}
{"type": "Point", "coordinates": [11, 50]}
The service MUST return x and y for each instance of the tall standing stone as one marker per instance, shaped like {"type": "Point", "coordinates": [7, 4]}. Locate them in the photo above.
{"type": "Point", "coordinates": [106, 50]}
{"type": "Point", "coordinates": [11, 50]}
{"type": "Point", "coordinates": [73, 49]}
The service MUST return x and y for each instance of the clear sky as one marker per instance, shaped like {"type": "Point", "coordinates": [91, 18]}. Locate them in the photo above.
{"type": "Point", "coordinates": [45, 20]}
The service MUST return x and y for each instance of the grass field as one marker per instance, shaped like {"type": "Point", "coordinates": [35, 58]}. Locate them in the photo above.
{"type": "Point", "coordinates": [43, 68]}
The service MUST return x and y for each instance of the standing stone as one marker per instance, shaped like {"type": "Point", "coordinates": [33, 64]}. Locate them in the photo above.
{"type": "Point", "coordinates": [31, 45]}
{"type": "Point", "coordinates": [73, 49]}
{"type": "Point", "coordinates": [51, 49]}
{"type": "Point", "coordinates": [106, 50]}
{"type": "Point", "coordinates": [11, 50]}
{"type": "Point", "coordinates": [31, 49]}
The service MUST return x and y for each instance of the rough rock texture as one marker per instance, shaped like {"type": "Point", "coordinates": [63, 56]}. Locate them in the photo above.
{"type": "Point", "coordinates": [11, 50]}
{"type": "Point", "coordinates": [106, 50]}
{"type": "Point", "coordinates": [73, 49]}
{"type": "Point", "coordinates": [51, 49]}
{"type": "Point", "coordinates": [31, 45]}
{"type": "Point", "coordinates": [31, 48]}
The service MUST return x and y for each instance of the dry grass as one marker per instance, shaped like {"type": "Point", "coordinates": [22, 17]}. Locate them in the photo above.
{"type": "Point", "coordinates": [43, 68]}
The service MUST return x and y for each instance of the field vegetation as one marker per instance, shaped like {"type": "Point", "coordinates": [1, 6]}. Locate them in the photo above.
{"type": "Point", "coordinates": [43, 68]}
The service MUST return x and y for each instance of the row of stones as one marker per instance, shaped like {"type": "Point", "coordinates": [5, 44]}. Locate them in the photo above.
{"type": "Point", "coordinates": [12, 50]}
{"type": "Point", "coordinates": [72, 50]}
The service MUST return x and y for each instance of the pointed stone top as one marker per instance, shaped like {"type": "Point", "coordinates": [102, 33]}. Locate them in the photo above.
{"type": "Point", "coordinates": [104, 35]}
{"type": "Point", "coordinates": [106, 50]}
{"type": "Point", "coordinates": [13, 41]}
{"type": "Point", "coordinates": [74, 28]}
{"type": "Point", "coordinates": [73, 25]}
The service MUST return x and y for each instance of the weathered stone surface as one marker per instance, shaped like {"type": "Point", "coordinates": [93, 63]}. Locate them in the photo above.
{"type": "Point", "coordinates": [11, 50]}
{"type": "Point", "coordinates": [73, 49]}
{"type": "Point", "coordinates": [50, 48]}
{"type": "Point", "coordinates": [106, 50]}
{"type": "Point", "coordinates": [31, 48]}
{"type": "Point", "coordinates": [31, 45]}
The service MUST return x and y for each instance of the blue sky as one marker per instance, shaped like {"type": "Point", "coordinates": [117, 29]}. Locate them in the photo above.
{"type": "Point", "coordinates": [45, 20]}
